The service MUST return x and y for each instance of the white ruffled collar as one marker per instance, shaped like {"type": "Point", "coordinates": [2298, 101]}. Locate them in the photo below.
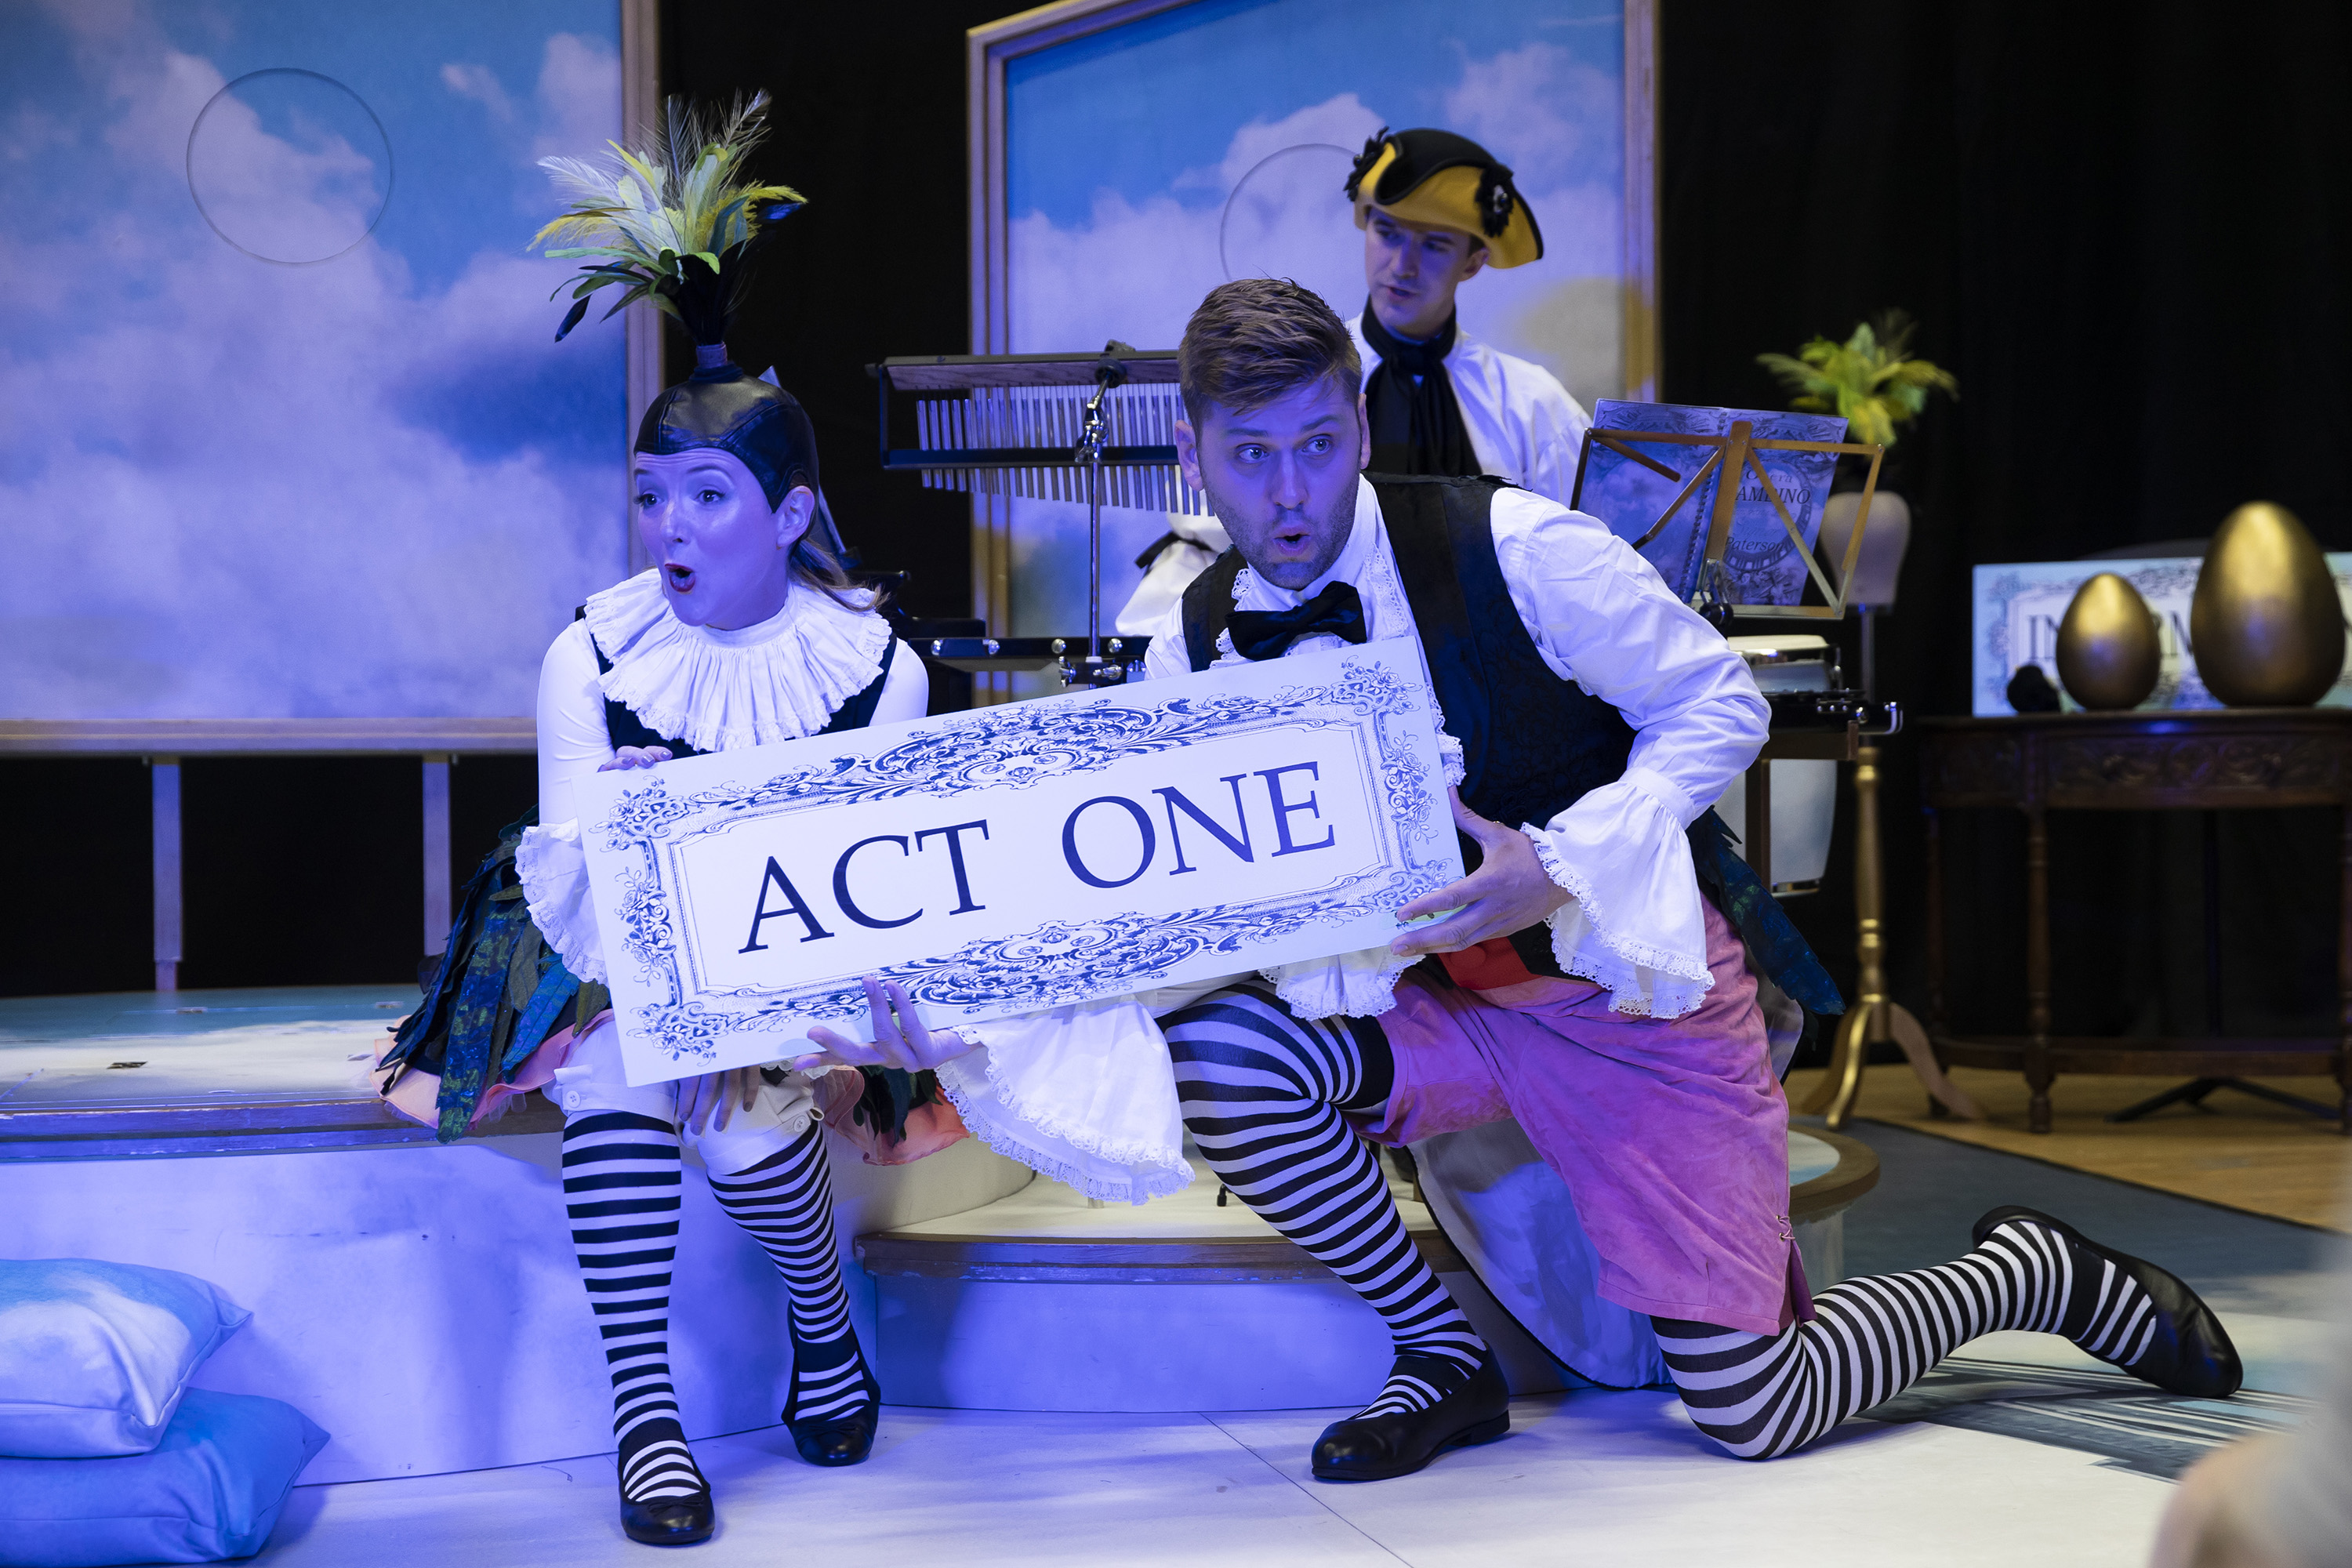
{"type": "Point", "coordinates": [718, 691]}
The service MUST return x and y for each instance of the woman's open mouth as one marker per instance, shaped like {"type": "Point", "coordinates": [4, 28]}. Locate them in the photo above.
{"type": "Point", "coordinates": [677, 579]}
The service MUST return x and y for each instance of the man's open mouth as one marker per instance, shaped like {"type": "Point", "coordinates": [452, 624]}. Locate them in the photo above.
{"type": "Point", "coordinates": [677, 578]}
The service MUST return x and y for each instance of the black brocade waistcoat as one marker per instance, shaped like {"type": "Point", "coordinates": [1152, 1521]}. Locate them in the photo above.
{"type": "Point", "coordinates": [1532, 743]}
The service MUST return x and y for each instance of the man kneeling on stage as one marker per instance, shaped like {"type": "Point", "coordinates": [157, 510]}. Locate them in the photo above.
{"type": "Point", "coordinates": [1589, 976]}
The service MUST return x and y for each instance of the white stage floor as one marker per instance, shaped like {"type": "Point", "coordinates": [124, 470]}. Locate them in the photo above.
{"type": "Point", "coordinates": [1591, 1477]}
{"type": "Point", "coordinates": [2023, 1453]}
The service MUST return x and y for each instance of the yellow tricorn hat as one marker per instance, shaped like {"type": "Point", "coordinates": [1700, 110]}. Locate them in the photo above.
{"type": "Point", "coordinates": [1439, 180]}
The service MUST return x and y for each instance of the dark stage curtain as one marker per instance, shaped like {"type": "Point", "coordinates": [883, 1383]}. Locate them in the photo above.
{"type": "Point", "coordinates": [2125, 232]}
{"type": "Point", "coordinates": [868, 125]}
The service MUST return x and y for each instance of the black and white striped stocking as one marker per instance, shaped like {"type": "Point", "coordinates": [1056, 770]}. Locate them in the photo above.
{"type": "Point", "coordinates": [785, 1202]}
{"type": "Point", "coordinates": [1261, 1092]}
{"type": "Point", "coordinates": [621, 1174]}
{"type": "Point", "coordinates": [1764, 1395]}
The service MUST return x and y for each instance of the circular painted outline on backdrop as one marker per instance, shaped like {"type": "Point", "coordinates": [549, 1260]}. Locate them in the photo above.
{"type": "Point", "coordinates": [1226, 214]}
{"type": "Point", "coordinates": [391, 172]}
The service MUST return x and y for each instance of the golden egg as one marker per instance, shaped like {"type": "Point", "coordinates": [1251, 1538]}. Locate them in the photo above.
{"type": "Point", "coordinates": [2109, 648]}
{"type": "Point", "coordinates": [2267, 626]}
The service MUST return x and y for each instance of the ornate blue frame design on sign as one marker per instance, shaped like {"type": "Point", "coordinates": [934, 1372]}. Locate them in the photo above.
{"type": "Point", "coordinates": [1016, 746]}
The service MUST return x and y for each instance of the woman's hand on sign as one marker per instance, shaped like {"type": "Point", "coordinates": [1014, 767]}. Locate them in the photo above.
{"type": "Point", "coordinates": [1509, 892]}
{"type": "Point", "coordinates": [901, 1039]}
{"type": "Point", "coordinates": [636, 757]}
{"type": "Point", "coordinates": [709, 1101]}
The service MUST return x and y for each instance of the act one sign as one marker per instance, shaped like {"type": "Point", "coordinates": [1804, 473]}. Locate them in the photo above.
{"type": "Point", "coordinates": [1016, 858]}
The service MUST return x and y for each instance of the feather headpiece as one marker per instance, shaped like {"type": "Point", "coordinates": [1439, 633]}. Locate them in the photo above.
{"type": "Point", "coordinates": [670, 220]}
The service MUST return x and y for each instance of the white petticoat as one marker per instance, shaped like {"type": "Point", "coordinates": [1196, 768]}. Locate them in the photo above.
{"type": "Point", "coordinates": [1085, 1094]}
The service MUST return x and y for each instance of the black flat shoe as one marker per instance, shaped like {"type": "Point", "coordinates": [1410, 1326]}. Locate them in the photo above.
{"type": "Point", "coordinates": [845, 1439]}
{"type": "Point", "coordinates": [2190, 1352]}
{"type": "Point", "coordinates": [670, 1521]}
{"type": "Point", "coordinates": [839, 1439]}
{"type": "Point", "coordinates": [1376, 1447]}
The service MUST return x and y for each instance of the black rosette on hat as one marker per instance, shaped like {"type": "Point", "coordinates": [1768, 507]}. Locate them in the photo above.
{"type": "Point", "coordinates": [1438, 180]}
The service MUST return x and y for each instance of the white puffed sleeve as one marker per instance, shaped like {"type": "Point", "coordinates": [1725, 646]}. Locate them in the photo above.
{"type": "Point", "coordinates": [1602, 617]}
{"type": "Point", "coordinates": [1085, 1094]}
{"type": "Point", "coordinates": [572, 743]}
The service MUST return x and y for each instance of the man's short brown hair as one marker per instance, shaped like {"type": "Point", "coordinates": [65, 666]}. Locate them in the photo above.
{"type": "Point", "coordinates": [1254, 340]}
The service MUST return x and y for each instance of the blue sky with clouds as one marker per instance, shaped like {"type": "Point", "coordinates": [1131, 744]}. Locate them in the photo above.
{"type": "Point", "coordinates": [372, 484]}
{"type": "Point", "coordinates": [1148, 163]}
{"type": "Point", "coordinates": [1134, 109]}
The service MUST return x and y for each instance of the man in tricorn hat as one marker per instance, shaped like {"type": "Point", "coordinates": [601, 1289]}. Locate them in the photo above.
{"type": "Point", "coordinates": [1436, 210]}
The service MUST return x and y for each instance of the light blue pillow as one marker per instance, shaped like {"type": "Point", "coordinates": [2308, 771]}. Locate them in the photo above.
{"type": "Point", "coordinates": [210, 1490]}
{"type": "Point", "coordinates": [93, 1356]}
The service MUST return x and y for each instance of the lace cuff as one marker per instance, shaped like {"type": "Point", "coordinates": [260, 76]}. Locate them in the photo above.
{"type": "Point", "coordinates": [1084, 1094]}
{"type": "Point", "coordinates": [554, 871]}
{"type": "Point", "coordinates": [1635, 925]}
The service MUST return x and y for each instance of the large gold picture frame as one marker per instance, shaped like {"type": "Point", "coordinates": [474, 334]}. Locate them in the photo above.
{"type": "Point", "coordinates": [989, 47]}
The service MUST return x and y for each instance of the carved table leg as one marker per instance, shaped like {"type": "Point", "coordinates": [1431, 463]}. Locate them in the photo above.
{"type": "Point", "coordinates": [1937, 1024]}
{"type": "Point", "coordinates": [2344, 988]}
{"type": "Point", "coordinates": [2037, 968]}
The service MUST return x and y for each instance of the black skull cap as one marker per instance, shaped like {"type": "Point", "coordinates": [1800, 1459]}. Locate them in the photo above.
{"type": "Point", "coordinates": [720, 407]}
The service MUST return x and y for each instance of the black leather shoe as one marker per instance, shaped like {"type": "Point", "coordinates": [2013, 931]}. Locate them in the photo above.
{"type": "Point", "coordinates": [1375, 1448]}
{"type": "Point", "coordinates": [844, 1439]}
{"type": "Point", "coordinates": [670, 1521]}
{"type": "Point", "coordinates": [2190, 1352]}
{"type": "Point", "coordinates": [839, 1439]}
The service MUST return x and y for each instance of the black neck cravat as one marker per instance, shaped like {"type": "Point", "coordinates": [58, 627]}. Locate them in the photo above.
{"type": "Point", "coordinates": [1416, 425]}
{"type": "Point", "coordinates": [1266, 634]}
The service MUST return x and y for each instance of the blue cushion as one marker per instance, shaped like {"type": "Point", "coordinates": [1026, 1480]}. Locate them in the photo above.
{"type": "Point", "coordinates": [93, 1356]}
{"type": "Point", "coordinates": [210, 1490]}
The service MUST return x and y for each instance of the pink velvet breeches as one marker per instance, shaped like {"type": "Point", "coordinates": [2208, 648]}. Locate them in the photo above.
{"type": "Point", "coordinates": [1672, 1134]}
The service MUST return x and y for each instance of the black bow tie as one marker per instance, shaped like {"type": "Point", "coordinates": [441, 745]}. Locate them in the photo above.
{"type": "Point", "coordinates": [1266, 634]}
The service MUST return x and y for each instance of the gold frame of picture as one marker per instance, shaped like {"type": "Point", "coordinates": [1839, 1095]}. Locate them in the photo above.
{"type": "Point", "coordinates": [987, 48]}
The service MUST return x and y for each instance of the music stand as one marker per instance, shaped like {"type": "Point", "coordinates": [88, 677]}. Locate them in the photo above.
{"type": "Point", "coordinates": [1733, 454]}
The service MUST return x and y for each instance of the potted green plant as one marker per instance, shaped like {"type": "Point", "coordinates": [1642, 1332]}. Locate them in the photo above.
{"type": "Point", "coordinates": [1868, 379]}
{"type": "Point", "coordinates": [1871, 381]}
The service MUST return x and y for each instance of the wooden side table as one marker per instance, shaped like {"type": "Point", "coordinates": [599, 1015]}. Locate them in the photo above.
{"type": "Point", "coordinates": [2229, 760]}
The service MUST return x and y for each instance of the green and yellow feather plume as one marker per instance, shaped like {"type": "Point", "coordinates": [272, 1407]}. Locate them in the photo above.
{"type": "Point", "coordinates": [648, 215]}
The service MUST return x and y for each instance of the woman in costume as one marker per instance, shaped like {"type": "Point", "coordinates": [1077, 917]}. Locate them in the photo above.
{"type": "Point", "coordinates": [744, 632]}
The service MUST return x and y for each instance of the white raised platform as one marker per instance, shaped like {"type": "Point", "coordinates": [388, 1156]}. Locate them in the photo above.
{"type": "Point", "coordinates": [1042, 1302]}
{"type": "Point", "coordinates": [419, 1302]}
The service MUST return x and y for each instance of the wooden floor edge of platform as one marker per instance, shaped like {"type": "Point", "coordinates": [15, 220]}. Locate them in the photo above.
{"type": "Point", "coordinates": [86, 1132]}
{"type": "Point", "coordinates": [262, 737]}
{"type": "Point", "coordinates": [1839, 1187]}
{"type": "Point", "coordinates": [1930, 1129]}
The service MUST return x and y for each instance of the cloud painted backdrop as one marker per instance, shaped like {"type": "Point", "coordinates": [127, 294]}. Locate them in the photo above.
{"type": "Point", "coordinates": [286, 434]}
{"type": "Point", "coordinates": [1148, 163]}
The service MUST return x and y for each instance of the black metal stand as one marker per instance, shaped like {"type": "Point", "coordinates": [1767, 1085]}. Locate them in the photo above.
{"type": "Point", "coordinates": [2193, 1092]}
